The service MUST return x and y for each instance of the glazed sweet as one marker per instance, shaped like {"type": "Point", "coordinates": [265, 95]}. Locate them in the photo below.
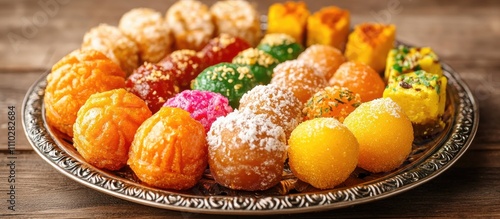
{"type": "Point", "coordinates": [114, 44]}
{"type": "Point", "coordinates": [370, 43]}
{"type": "Point", "coordinates": [260, 63]}
{"type": "Point", "coordinates": [222, 49]}
{"type": "Point", "coordinates": [281, 46]}
{"type": "Point", "coordinates": [289, 18]}
{"type": "Point", "coordinates": [147, 28]}
{"type": "Point", "coordinates": [422, 96]}
{"type": "Point", "coordinates": [322, 152]}
{"type": "Point", "coordinates": [336, 102]}
{"type": "Point", "coordinates": [106, 125]}
{"type": "Point", "coordinates": [404, 59]}
{"type": "Point", "coordinates": [246, 151]}
{"type": "Point", "coordinates": [278, 103]}
{"type": "Point", "coordinates": [191, 24]}
{"type": "Point", "coordinates": [360, 79]}
{"type": "Point", "coordinates": [169, 150]}
{"type": "Point", "coordinates": [384, 133]}
{"type": "Point", "coordinates": [237, 18]}
{"type": "Point", "coordinates": [329, 26]}
{"type": "Point", "coordinates": [153, 84]}
{"type": "Point", "coordinates": [186, 65]}
{"type": "Point", "coordinates": [299, 77]}
{"type": "Point", "coordinates": [325, 59]}
{"type": "Point", "coordinates": [204, 106]}
{"type": "Point", "coordinates": [73, 79]}
{"type": "Point", "coordinates": [230, 80]}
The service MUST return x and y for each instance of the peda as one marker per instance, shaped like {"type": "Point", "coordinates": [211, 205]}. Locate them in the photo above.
{"type": "Point", "coordinates": [279, 103]}
{"type": "Point", "coordinates": [73, 79]}
{"type": "Point", "coordinates": [336, 102]}
{"type": "Point", "coordinates": [149, 30]}
{"type": "Point", "coordinates": [325, 59]}
{"type": "Point", "coordinates": [360, 79]}
{"type": "Point", "coordinates": [246, 151]}
{"type": "Point", "coordinates": [169, 150]}
{"type": "Point", "coordinates": [384, 133]}
{"type": "Point", "coordinates": [105, 127]}
{"type": "Point", "coordinates": [299, 77]}
{"type": "Point", "coordinates": [322, 152]}
{"type": "Point", "coordinates": [114, 44]}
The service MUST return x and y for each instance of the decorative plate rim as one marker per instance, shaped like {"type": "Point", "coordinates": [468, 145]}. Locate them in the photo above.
{"type": "Point", "coordinates": [461, 135]}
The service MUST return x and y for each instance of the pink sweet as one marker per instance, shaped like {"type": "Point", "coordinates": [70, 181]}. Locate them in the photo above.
{"type": "Point", "coordinates": [204, 106]}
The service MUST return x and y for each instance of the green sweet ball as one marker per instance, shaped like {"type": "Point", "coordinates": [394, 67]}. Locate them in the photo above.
{"type": "Point", "coordinates": [281, 46]}
{"type": "Point", "coordinates": [230, 80]}
{"type": "Point", "coordinates": [260, 63]}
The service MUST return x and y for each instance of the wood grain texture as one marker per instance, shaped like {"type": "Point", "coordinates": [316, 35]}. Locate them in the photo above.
{"type": "Point", "coordinates": [464, 33]}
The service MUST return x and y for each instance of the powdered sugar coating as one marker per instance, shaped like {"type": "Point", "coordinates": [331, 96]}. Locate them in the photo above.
{"type": "Point", "coordinates": [278, 103]}
{"type": "Point", "coordinates": [383, 105]}
{"type": "Point", "coordinates": [204, 106]}
{"type": "Point", "coordinates": [246, 151]}
{"type": "Point", "coordinates": [325, 59]}
{"type": "Point", "coordinates": [299, 77]}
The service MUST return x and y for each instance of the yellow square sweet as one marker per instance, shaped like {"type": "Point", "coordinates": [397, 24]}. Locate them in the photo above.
{"type": "Point", "coordinates": [370, 43]}
{"type": "Point", "coordinates": [289, 18]}
{"type": "Point", "coordinates": [329, 26]}
{"type": "Point", "coordinates": [403, 60]}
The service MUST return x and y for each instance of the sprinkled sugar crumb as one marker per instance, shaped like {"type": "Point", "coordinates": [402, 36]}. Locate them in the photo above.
{"type": "Point", "coordinates": [385, 105]}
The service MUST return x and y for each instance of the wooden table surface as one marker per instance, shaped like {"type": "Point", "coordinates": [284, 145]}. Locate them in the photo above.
{"type": "Point", "coordinates": [464, 33]}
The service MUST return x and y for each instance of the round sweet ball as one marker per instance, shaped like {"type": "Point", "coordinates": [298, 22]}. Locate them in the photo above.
{"type": "Point", "coordinates": [222, 48]}
{"type": "Point", "coordinates": [260, 63]}
{"type": "Point", "coordinates": [282, 107]}
{"type": "Point", "coordinates": [325, 59]}
{"type": "Point", "coordinates": [147, 28]}
{"type": "Point", "coordinates": [153, 84]}
{"type": "Point", "coordinates": [301, 78]}
{"type": "Point", "coordinates": [73, 79]}
{"type": "Point", "coordinates": [230, 80]}
{"type": "Point", "coordinates": [322, 152]}
{"type": "Point", "coordinates": [191, 24]}
{"type": "Point", "coordinates": [186, 64]}
{"type": "Point", "coordinates": [246, 151]}
{"type": "Point", "coordinates": [105, 127]}
{"type": "Point", "coordinates": [204, 106]}
{"type": "Point", "coordinates": [359, 78]}
{"type": "Point", "coordinates": [114, 44]}
{"type": "Point", "coordinates": [169, 150]}
{"type": "Point", "coordinates": [384, 133]}
{"type": "Point", "coordinates": [281, 46]}
{"type": "Point", "coordinates": [238, 18]}
{"type": "Point", "coordinates": [336, 102]}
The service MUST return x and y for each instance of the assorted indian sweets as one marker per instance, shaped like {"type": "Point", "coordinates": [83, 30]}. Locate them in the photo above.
{"type": "Point", "coordinates": [200, 87]}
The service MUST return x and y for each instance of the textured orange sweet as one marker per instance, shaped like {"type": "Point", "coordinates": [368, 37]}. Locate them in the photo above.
{"type": "Point", "coordinates": [325, 59]}
{"type": "Point", "coordinates": [105, 127]}
{"type": "Point", "coordinates": [360, 79]}
{"type": "Point", "coordinates": [169, 150]}
{"type": "Point", "coordinates": [336, 102]}
{"type": "Point", "coordinates": [72, 80]}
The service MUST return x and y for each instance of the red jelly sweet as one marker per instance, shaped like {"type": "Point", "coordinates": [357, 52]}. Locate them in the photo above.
{"type": "Point", "coordinates": [154, 84]}
{"type": "Point", "coordinates": [223, 49]}
{"type": "Point", "coordinates": [185, 64]}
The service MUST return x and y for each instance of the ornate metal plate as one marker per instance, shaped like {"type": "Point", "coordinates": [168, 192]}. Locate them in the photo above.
{"type": "Point", "coordinates": [429, 158]}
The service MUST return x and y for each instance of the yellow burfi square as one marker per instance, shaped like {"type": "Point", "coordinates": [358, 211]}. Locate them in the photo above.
{"type": "Point", "coordinates": [421, 95]}
{"type": "Point", "coordinates": [404, 59]}
{"type": "Point", "coordinates": [329, 26]}
{"type": "Point", "coordinates": [289, 18]}
{"type": "Point", "coordinates": [370, 43]}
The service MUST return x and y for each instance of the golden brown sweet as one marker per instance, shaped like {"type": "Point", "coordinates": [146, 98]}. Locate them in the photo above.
{"type": "Point", "coordinates": [325, 59]}
{"type": "Point", "coordinates": [114, 44]}
{"type": "Point", "coordinates": [246, 151]}
{"type": "Point", "coordinates": [384, 133]}
{"type": "Point", "coordinates": [72, 80]}
{"type": "Point", "coordinates": [150, 31]}
{"type": "Point", "coordinates": [279, 103]}
{"type": "Point", "coordinates": [359, 78]}
{"type": "Point", "coordinates": [299, 77]}
{"type": "Point", "coordinates": [237, 18]}
{"type": "Point", "coordinates": [329, 26]}
{"type": "Point", "coordinates": [289, 18]}
{"type": "Point", "coordinates": [336, 102]}
{"type": "Point", "coordinates": [191, 24]}
{"type": "Point", "coordinates": [169, 150]}
{"type": "Point", "coordinates": [322, 152]}
{"type": "Point", "coordinates": [105, 127]}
